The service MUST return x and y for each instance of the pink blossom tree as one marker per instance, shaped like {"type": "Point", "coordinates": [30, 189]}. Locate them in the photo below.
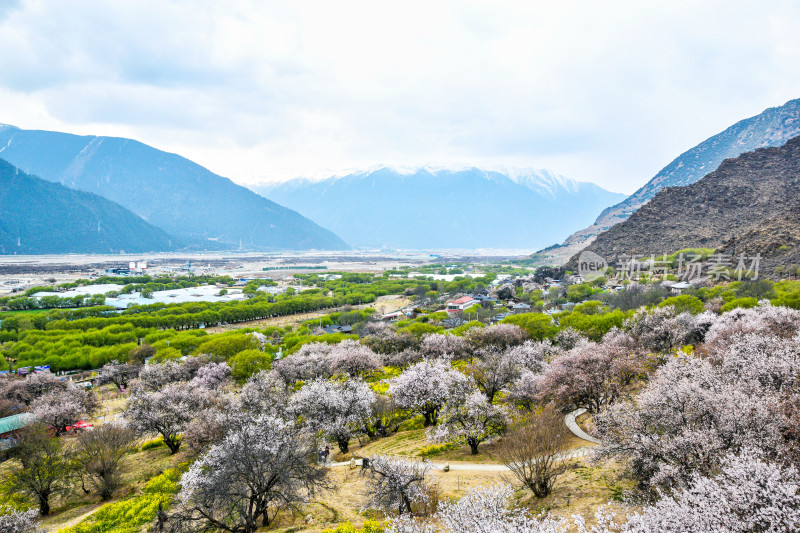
{"type": "Point", "coordinates": [435, 345]}
{"type": "Point", "coordinates": [212, 376]}
{"type": "Point", "coordinates": [353, 358]}
{"type": "Point", "coordinates": [499, 335]}
{"type": "Point", "coordinates": [120, 374]}
{"type": "Point", "coordinates": [592, 375]}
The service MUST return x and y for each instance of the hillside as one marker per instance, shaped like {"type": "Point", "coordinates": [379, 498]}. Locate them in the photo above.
{"type": "Point", "coordinates": [750, 204]}
{"type": "Point", "coordinates": [773, 127]}
{"type": "Point", "coordinates": [39, 217]}
{"type": "Point", "coordinates": [169, 191]}
{"type": "Point", "coordinates": [426, 208]}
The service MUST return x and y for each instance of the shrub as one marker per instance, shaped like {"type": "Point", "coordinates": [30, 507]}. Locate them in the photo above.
{"type": "Point", "coordinates": [128, 516]}
{"type": "Point", "coordinates": [153, 443]}
{"type": "Point", "coordinates": [745, 303]}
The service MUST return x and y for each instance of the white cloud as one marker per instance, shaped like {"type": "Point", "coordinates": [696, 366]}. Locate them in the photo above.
{"type": "Point", "coordinates": [603, 91]}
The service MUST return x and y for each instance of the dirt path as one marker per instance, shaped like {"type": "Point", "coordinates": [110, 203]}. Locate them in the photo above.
{"type": "Point", "coordinates": [59, 525]}
{"type": "Point", "coordinates": [382, 306]}
{"type": "Point", "coordinates": [474, 467]}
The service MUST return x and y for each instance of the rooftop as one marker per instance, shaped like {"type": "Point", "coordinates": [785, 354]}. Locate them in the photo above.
{"type": "Point", "coordinates": [15, 422]}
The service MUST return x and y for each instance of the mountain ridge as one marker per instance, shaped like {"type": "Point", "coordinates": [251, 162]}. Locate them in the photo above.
{"type": "Point", "coordinates": [772, 127]}
{"type": "Point", "coordinates": [41, 217]}
{"type": "Point", "coordinates": [442, 208]}
{"type": "Point", "coordinates": [749, 205]}
{"type": "Point", "coordinates": [179, 196]}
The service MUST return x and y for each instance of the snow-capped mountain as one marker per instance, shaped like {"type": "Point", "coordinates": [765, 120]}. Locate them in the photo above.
{"type": "Point", "coordinates": [435, 207]}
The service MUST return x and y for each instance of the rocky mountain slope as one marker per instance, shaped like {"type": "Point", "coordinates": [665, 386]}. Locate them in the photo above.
{"type": "Point", "coordinates": [169, 191]}
{"type": "Point", "coordinates": [773, 127]}
{"type": "Point", "coordinates": [427, 208]}
{"type": "Point", "coordinates": [40, 217]}
{"type": "Point", "coordinates": [749, 205]}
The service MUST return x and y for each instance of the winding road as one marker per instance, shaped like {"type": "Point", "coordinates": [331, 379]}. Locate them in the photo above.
{"type": "Point", "coordinates": [569, 420]}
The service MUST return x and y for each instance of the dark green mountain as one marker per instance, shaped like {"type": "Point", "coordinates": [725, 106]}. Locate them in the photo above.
{"type": "Point", "coordinates": [40, 217]}
{"type": "Point", "coordinates": [167, 190]}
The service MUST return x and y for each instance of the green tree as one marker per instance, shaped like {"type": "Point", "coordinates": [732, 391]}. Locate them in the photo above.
{"type": "Point", "coordinates": [45, 470]}
{"type": "Point", "coordinates": [248, 362]}
{"type": "Point", "coordinates": [685, 303]}
{"type": "Point", "coordinates": [539, 326]}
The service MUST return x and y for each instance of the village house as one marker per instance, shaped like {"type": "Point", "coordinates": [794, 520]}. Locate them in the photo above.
{"type": "Point", "coordinates": [465, 302]}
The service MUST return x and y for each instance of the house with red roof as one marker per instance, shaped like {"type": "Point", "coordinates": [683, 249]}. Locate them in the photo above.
{"type": "Point", "coordinates": [465, 302]}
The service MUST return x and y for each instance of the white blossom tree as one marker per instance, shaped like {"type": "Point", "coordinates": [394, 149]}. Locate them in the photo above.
{"type": "Point", "coordinates": [663, 330]}
{"type": "Point", "coordinates": [220, 415]}
{"type": "Point", "coordinates": [426, 386]}
{"type": "Point", "coordinates": [494, 369]}
{"type": "Point", "coordinates": [765, 319]}
{"type": "Point", "coordinates": [166, 412]}
{"type": "Point", "coordinates": [684, 421]}
{"type": "Point", "coordinates": [500, 335]}
{"type": "Point", "coordinates": [120, 374]}
{"type": "Point", "coordinates": [486, 509]}
{"type": "Point", "coordinates": [12, 521]}
{"type": "Point", "coordinates": [395, 484]}
{"type": "Point", "coordinates": [474, 419]}
{"type": "Point", "coordinates": [264, 393]}
{"type": "Point", "coordinates": [337, 409]}
{"type": "Point", "coordinates": [260, 337]}
{"type": "Point", "coordinates": [749, 494]}
{"type": "Point", "coordinates": [156, 376]}
{"type": "Point", "coordinates": [310, 361]}
{"type": "Point", "coordinates": [242, 483]}
{"type": "Point", "coordinates": [37, 385]}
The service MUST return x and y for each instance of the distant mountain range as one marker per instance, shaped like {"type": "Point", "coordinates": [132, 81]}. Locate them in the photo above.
{"type": "Point", "coordinates": [773, 127]}
{"type": "Point", "coordinates": [750, 205]}
{"type": "Point", "coordinates": [429, 208]}
{"type": "Point", "coordinates": [40, 217]}
{"type": "Point", "coordinates": [171, 192]}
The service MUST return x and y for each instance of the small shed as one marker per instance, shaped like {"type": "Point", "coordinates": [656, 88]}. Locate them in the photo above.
{"type": "Point", "coordinates": [11, 424]}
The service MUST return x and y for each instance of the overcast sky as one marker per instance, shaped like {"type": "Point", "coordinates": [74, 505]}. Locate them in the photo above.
{"type": "Point", "coordinates": [599, 91]}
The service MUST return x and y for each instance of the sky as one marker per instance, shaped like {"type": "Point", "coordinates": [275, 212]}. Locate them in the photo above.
{"type": "Point", "coordinates": [264, 91]}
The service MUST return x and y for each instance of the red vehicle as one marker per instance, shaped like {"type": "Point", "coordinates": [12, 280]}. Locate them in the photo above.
{"type": "Point", "coordinates": [79, 426]}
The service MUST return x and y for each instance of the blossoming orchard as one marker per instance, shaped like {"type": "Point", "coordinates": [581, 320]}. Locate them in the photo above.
{"type": "Point", "coordinates": [637, 411]}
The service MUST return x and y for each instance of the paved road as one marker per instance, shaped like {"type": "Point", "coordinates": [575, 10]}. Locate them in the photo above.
{"type": "Point", "coordinates": [573, 426]}
{"type": "Point", "coordinates": [569, 420]}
